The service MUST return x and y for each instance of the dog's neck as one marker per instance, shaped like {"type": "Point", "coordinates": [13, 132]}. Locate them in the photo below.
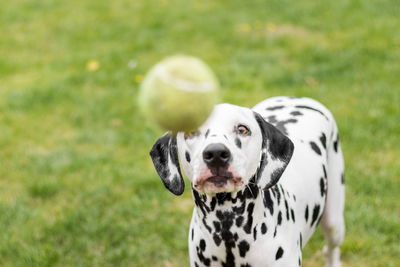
{"type": "Point", "coordinates": [226, 209]}
{"type": "Point", "coordinates": [224, 217]}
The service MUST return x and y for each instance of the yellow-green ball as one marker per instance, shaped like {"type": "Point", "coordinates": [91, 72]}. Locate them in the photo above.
{"type": "Point", "coordinates": [179, 93]}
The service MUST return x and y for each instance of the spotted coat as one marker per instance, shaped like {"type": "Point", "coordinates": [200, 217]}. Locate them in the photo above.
{"type": "Point", "coordinates": [268, 223]}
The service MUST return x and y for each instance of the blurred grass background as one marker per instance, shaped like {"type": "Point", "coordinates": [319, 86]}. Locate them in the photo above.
{"type": "Point", "coordinates": [77, 187]}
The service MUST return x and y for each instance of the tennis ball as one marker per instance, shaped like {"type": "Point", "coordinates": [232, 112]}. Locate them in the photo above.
{"type": "Point", "coordinates": [179, 93]}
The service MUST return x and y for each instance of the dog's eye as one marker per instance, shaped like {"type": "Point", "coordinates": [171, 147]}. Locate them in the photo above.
{"type": "Point", "coordinates": [191, 134]}
{"type": "Point", "coordinates": [242, 130]}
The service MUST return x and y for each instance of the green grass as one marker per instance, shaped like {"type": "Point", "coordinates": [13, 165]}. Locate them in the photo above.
{"type": "Point", "coordinates": [77, 187]}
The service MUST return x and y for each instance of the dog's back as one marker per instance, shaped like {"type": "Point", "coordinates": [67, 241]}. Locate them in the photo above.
{"type": "Point", "coordinates": [315, 173]}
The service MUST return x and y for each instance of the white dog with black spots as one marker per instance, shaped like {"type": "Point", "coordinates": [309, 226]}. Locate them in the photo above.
{"type": "Point", "coordinates": [262, 180]}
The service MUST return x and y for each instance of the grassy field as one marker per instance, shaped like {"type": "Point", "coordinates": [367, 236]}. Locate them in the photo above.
{"type": "Point", "coordinates": [77, 187]}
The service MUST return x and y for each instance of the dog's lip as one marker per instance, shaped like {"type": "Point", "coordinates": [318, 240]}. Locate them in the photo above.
{"type": "Point", "coordinates": [221, 180]}
{"type": "Point", "coordinates": [219, 183]}
{"type": "Point", "coordinates": [217, 180]}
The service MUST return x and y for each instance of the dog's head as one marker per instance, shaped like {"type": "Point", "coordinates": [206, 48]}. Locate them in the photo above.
{"type": "Point", "coordinates": [232, 146]}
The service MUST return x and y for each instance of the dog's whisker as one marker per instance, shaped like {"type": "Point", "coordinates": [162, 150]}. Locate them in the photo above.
{"type": "Point", "coordinates": [262, 196]}
{"type": "Point", "coordinates": [250, 190]}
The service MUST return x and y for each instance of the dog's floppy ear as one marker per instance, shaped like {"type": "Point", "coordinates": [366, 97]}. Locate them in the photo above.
{"type": "Point", "coordinates": [164, 155]}
{"type": "Point", "coordinates": [276, 152]}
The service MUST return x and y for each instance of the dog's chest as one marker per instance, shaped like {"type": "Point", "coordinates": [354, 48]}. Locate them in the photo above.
{"type": "Point", "coordinates": [250, 232]}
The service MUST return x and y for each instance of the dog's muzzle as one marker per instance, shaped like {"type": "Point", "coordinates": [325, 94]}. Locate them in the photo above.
{"type": "Point", "coordinates": [218, 176]}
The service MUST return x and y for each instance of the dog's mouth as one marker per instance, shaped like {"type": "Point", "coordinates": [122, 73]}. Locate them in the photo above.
{"type": "Point", "coordinates": [218, 181]}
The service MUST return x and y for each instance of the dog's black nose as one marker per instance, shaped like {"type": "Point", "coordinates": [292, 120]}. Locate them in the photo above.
{"type": "Point", "coordinates": [216, 155]}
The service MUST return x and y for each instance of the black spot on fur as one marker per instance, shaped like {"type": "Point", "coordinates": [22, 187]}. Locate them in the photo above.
{"type": "Point", "coordinates": [275, 108]}
{"type": "Point", "coordinates": [222, 197]}
{"type": "Point", "coordinates": [279, 253]}
{"type": "Point", "coordinates": [217, 239]}
{"type": "Point", "coordinates": [245, 265]}
{"type": "Point", "coordinates": [310, 108]}
{"type": "Point", "coordinates": [278, 194]}
{"type": "Point", "coordinates": [275, 231]}
{"type": "Point", "coordinates": [234, 200]}
{"type": "Point", "coordinates": [243, 248]}
{"type": "Point", "coordinates": [187, 156]}
{"type": "Point", "coordinates": [238, 143]}
{"type": "Point", "coordinates": [201, 204]}
{"type": "Point", "coordinates": [279, 218]}
{"type": "Point", "coordinates": [322, 186]}
{"type": "Point", "coordinates": [296, 113]}
{"type": "Point", "coordinates": [315, 214]}
{"type": "Point", "coordinates": [268, 203]}
{"type": "Point", "coordinates": [196, 265]}
{"type": "Point", "coordinates": [213, 203]}
{"type": "Point", "coordinates": [315, 147]}
{"type": "Point", "coordinates": [192, 233]}
{"type": "Point", "coordinates": [343, 179]}
{"type": "Point", "coordinates": [306, 214]}
{"type": "Point", "coordinates": [292, 214]}
{"type": "Point", "coordinates": [281, 125]}
{"type": "Point", "coordinates": [202, 244]}
{"type": "Point", "coordinates": [214, 258]}
{"type": "Point", "coordinates": [249, 222]}
{"type": "Point", "coordinates": [263, 228]}
{"type": "Point", "coordinates": [217, 226]}
{"type": "Point", "coordinates": [240, 210]}
{"type": "Point", "coordinates": [323, 140]}
{"type": "Point", "coordinates": [236, 237]}
{"type": "Point", "coordinates": [239, 221]}
{"type": "Point", "coordinates": [255, 233]}
{"type": "Point", "coordinates": [324, 169]}
{"type": "Point", "coordinates": [287, 210]}
{"type": "Point", "coordinates": [336, 143]}
{"type": "Point", "coordinates": [301, 240]}
{"type": "Point", "coordinates": [206, 225]}
{"type": "Point", "coordinates": [206, 261]}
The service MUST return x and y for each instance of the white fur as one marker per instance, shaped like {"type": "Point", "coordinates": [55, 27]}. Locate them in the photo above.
{"type": "Point", "coordinates": [300, 180]}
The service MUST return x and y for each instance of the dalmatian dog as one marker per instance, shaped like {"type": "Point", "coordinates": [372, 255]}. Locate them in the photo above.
{"type": "Point", "coordinates": [262, 179]}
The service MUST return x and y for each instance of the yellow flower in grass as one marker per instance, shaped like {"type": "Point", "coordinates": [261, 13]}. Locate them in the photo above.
{"type": "Point", "coordinates": [245, 27]}
{"type": "Point", "coordinates": [92, 65]}
{"type": "Point", "coordinates": [138, 78]}
{"type": "Point", "coordinates": [271, 27]}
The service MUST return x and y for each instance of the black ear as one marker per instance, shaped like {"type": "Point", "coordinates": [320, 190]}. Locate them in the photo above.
{"type": "Point", "coordinates": [164, 154]}
{"type": "Point", "coordinates": [276, 152]}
